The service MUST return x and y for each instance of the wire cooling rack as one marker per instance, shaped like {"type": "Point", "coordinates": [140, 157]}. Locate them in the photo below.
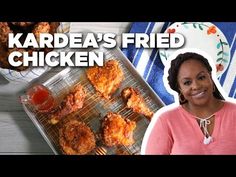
{"type": "Point", "coordinates": [95, 107]}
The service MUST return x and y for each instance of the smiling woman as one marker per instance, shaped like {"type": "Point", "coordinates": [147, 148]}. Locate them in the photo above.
{"type": "Point", "coordinates": [188, 72]}
{"type": "Point", "coordinates": [203, 123]}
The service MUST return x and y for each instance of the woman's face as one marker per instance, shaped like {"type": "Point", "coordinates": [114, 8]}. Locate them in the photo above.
{"type": "Point", "coordinates": [195, 82]}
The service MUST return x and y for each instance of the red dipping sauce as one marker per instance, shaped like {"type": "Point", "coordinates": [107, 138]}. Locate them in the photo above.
{"type": "Point", "coordinates": [40, 97]}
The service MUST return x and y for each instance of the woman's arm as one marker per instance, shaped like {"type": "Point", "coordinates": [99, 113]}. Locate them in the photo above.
{"type": "Point", "coordinates": [159, 140]}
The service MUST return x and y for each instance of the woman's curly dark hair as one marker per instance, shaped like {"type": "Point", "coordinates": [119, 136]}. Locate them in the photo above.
{"type": "Point", "coordinates": [178, 61]}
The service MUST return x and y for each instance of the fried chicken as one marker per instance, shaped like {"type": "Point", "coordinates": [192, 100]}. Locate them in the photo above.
{"type": "Point", "coordinates": [71, 103]}
{"type": "Point", "coordinates": [42, 27]}
{"type": "Point", "coordinates": [76, 138]}
{"type": "Point", "coordinates": [24, 28]}
{"type": "Point", "coordinates": [136, 102]}
{"type": "Point", "coordinates": [106, 79]}
{"type": "Point", "coordinates": [23, 24]}
{"type": "Point", "coordinates": [117, 130]}
{"type": "Point", "coordinates": [4, 31]}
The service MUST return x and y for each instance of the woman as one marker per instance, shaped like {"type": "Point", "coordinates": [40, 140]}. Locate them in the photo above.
{"type": "Point", "coordinates": [203, 123]}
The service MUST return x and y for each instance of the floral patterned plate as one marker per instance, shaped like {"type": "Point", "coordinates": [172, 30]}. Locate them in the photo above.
{"type": "Point", "coordinates": [204, 36]}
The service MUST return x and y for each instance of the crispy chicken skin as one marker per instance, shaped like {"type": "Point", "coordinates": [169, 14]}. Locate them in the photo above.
{"type": "Point", "coordinates": [136, 102]}
{"type": "Point", "coordinates": [71, 103]}
{"type": "Point", "coordinates": [4, 31]}
{"type": "Point", "coordinates": [23, 24]}
{"type": "Point", "coordinates": [25, 28]}
{"type": "Point", "coordinates": [42, 27]}
{"type": "Point", "coordinates": [117, 130]}
{"type": "Point", "coordinates": [76, 138]}
{"type": "Point", "coordinates": [106, 79]}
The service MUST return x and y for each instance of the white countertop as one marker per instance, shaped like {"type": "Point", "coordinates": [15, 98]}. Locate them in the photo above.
{"type": "Point", "coordinates": [18, 135]}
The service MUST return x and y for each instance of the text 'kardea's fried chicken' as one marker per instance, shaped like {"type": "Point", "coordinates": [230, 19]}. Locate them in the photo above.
{"type": "Point", "coordinates": [117, 130]}
{"type": "Point", "coordinates": [136, 102]}
{"type": "Point", "coordinates": [76, 138]}
{"type": "Point", "coordinates": [71, 103]}
{"type": "Point", "coordinates": [106, 79]}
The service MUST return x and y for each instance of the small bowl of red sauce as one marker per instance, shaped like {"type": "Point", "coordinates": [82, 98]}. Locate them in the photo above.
{"type": "Point", "coordinates": [40, 98]}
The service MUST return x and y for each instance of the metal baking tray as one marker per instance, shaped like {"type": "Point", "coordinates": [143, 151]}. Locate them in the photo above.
{"type": "Point", "coordinates": [95, 107]}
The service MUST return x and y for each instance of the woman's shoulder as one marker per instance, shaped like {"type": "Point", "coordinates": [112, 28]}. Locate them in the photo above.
{"type": "Point", "coordinates": [230, 105]}
{"type": "Point", "coordinates": [169, 111]}
{"type": "Point", "coordinates": [168, 115]}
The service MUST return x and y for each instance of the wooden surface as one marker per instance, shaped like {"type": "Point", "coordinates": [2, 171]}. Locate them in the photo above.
{"type": "Point", "coordinates": [18, 135]}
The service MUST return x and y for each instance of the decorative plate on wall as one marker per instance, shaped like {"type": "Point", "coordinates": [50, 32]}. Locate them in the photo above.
{"type": "Point", "coordinates": [204, 36]}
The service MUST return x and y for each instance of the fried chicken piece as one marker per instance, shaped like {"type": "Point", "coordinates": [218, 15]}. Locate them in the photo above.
{"type": "Point", "coordinates": [4, 31]}
{"type": "Point", "coordinates": [25, 28]}
{"type": "Point", "coordinates": [23, 24]}
{"type": "Point", "coordinates": [117, 130]}
{"type": "Point", "coordinates": [71, 103]}
{"type": "Point", "coordinates": [41, 27]}
{"type": "Point", "coordinates": [76, 138]}
{"type": "Point", "coordinates": [136, 102]}
{"type": "Point", "coordinates": [53, 27]}
{"type": "Point", "coordinates": [106, 79]}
